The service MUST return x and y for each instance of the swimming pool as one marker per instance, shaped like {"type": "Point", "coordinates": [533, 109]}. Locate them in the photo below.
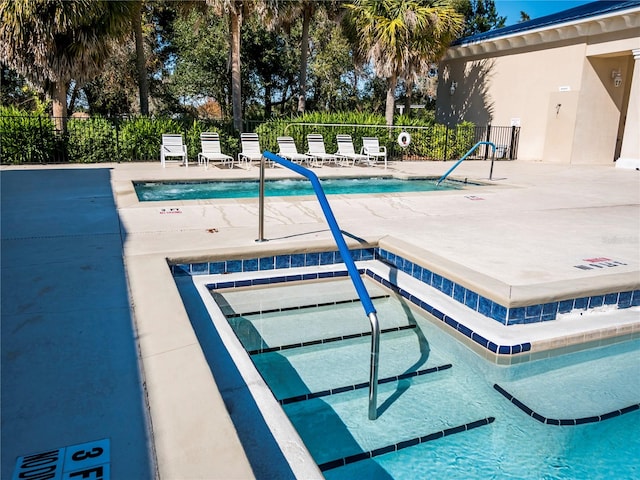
{"type": "Point", "coordinates": [158, 191]}
{"type": "Point", "coordinates": [442, 408]}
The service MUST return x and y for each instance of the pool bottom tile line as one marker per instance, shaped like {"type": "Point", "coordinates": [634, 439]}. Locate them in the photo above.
{"type": "Point", "coordinates": [326, 340]}
{"type": "Point", "coordinates": [341, 462]}
{"type": "Point", "coordinates": [358, 386]}
{"type": "Point", "coordinates": [299, 307]}
{"type": "Point", "coordinates": [567, 421]}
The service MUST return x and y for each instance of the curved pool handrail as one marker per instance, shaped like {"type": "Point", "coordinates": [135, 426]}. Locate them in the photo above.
{"type": "Point", "coordinates": [365, 299]}
{"type": "Point", "coordinates": [471, 150]}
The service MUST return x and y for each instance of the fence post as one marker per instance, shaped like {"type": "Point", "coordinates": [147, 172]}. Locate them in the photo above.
{"type": "Point", "coordinates": [512, 141]}
{"type": "Point", "coordinates": [116, 125]}
{"type": "Point", "coordinates": [488, 139]}
{"type": "Point", "coordinates": [446, 143]}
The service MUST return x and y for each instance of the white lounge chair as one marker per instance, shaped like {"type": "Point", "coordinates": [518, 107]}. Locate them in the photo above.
{"type": "Point", "coordinates": [173, 146]}
{"type": "Point", "coordinates": [251, 151]}
{"type": "Point", "coordinates": [289, 151]}
{"type": "Point", "coordinates": [371, 147]}
{"type": "Point", "coordinates": [211, 151]}
{"type": "Point", "coordinates": [346, 150]}
{"type": "Point", "coordinates": [316, 146]}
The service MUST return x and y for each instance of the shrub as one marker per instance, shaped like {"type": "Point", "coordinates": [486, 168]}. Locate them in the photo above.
{"type": "Point", "coordinates": [92, 140]}
{"type": "Point", "coordinates": [141, 137]}
{"type": "Point", "coordinates": [229, 142]}
{"type": "Point", "coordinates": [464, 139]}
{"type": "Point", "coordinates": [26, 138]}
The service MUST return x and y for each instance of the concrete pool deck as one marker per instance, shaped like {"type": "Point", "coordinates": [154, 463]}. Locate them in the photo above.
{"type": "Point", "coordinates": [96, 342]}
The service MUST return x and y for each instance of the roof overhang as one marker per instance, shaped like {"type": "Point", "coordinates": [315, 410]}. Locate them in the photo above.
{"type": "Point", "coordinates": [571, 30]}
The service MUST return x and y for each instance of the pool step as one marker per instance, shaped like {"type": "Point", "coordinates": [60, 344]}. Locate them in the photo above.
{"type": "Point", "coordinates": [273, 329]}
{"type": "Point", "coordinates": [326, 340]}
{"type": "Point", "coordinates": [286, 295]}
{"type": "Point", "coordinates": [293, 372]}
{"type": "Point", "coordinates": [229, 313]}
{"type": "Point", "coordinates": [335, 391]}
{"type": "Point", "coordinates": [565, 421]}
{"type": "Point", "coordinates": [394, 447]}
{"type": "Point", "coordinates": [407, 409]}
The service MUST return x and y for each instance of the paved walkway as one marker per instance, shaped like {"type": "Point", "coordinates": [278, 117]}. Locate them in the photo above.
{"type": "Point", "coordinates": [70, 363]}
{"type": "Point", "coordinates": [71, 369]}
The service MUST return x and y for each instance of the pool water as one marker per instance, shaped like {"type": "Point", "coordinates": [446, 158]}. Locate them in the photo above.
{"type": "Point", "coordinates": [157, 191]}
{"type": "Point", "coordinates": [485, 435]}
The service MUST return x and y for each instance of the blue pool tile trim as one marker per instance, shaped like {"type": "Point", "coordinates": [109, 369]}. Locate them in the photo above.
{"type": "Point", "coordinates": [281, 279]}
{"type": "Point", "coordinates": [507, 316]}
{"type": "Point", "coordinates": [453, 323]}
{"type": "Point", "coordinates": [341, 462]}
{"type": "Point", "coordinates": [465, 296]}
{"type": "Point", "coordinates": [565, 421]}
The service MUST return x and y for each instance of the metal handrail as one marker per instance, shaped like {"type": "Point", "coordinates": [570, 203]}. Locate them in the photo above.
{"type": "Point", "coordinates": [493, 157]}
{"type": "Point", "coordinates": [365, 299]}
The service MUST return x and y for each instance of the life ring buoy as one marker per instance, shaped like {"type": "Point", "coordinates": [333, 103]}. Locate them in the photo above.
{"type": "Point", "coordinates": [404, 139]}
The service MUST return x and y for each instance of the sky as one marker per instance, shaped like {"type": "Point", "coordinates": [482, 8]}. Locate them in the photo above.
{"type": "Point", "coordinates": [535, 8]}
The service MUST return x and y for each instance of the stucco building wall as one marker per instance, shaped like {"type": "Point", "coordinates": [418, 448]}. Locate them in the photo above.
{"type": "Point", "coordinates": [558, 84]}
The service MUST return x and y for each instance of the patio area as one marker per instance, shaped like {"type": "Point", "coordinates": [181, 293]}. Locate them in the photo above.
{"type": "Point", "coordinates": [96, 342]}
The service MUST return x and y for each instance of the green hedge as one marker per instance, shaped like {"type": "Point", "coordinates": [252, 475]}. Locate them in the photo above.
{"type": "Point", "coordinates": [429, 141]}
{"type": "Point", "coordinates": [24, 138]}
{"type": "Point", "coordinates": [32, 139]}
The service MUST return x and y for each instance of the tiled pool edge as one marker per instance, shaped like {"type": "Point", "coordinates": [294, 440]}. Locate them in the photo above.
{"type": "Point", "coordinates": [505, 350]}
{"type": "Point", "coordinates": [494, 349]}
{"type": "Point", "coordinates": [487, 307]}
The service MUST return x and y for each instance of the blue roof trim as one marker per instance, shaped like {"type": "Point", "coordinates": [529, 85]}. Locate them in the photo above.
{"type": "Point", "coordinates": [588, 10]}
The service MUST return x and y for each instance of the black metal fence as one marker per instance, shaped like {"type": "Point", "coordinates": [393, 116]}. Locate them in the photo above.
{"type": "Point", "coordinates": [435, 142]}
{"type": "Point", "coordinates": [34, 139]}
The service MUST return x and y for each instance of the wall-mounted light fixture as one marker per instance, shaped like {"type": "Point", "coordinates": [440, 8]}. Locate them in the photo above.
{"type": "Point", "coordinates": [454, 85]}
{"type": "Point", "coordinates": [617, 78]}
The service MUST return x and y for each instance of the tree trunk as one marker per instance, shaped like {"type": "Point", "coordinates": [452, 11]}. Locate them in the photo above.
{"type": "Point", "coordinates": [236, 77]}
{"type": "Point", "coordinates": [267, 100]}
{"type": "Point", "coordinates": [391, 99]}
{"type": "Point", "coordinates": [74, 96]}
{"type": "Point", "coordinates": [59, 98]}
{"type": "Point", "coordinates": [141, 61]}
{"type": "Point", "coordinates": [304, 53]}
{"type": "Point", "coordinates": [407, 98]}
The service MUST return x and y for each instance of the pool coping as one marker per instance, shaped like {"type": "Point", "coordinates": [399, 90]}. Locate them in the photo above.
{"type": "Point", "coordinates": [494, 341]}
{"type": "Point", "coordinates": [127, 196]}
{"type": "Point", "coordinates": [223, 250]}
{"type": "Point", "coordinates": [290, 443]}
{"type": "Point", "coordinates": [507, 304]}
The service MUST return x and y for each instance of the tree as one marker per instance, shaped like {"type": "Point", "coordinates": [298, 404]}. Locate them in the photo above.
{"type": "Point", "coordinates": [334, 82]}
{"type": "Point", "coordinates": [401, 37]}
{"type": "Point", "coordinates": [141, 62]}
{"type": "Point", "coordinates": [524, 17]}
{"type": "Point", "coordinates": [201, 49]}
{"type": "Point", "coordinates": [480, 16]}
{"type": "Point", "coordinates": [54, 42]}
{"type": "Point", "coordinates": [115, 90]}
{"type": "Point", "coordinates": [235, 10]}
{"type": "Point", "coordinates": [271, 68]}
{"type": "Point", "coordinates": [285, 14]}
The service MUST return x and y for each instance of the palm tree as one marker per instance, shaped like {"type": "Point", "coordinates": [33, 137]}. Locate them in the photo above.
{"type": "Point", "coordinates": [141, 60]}
{"type": "Point", "coordinates": [401, 37]}
{"type": "Point", "coordinates": [54, 42]}
{"type": "Point", "coordinates": [236, 10]}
